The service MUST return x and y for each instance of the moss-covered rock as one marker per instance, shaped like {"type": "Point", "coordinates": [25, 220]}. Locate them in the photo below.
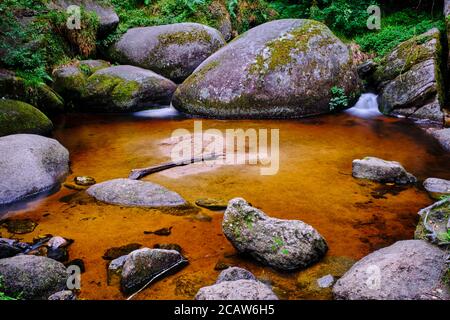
{"type": "Point", "coordinates": [282, 69]}
{"type": "Point", "coordinates": [125, 89]}
{"type": "Point", "coordinates": [173, 51]}
{"type": "Point", "coordinates": [41, 96]}
{"type": "Point", "coordinates": [20, 117]}
{"type": "Point", "coordinates": [410, 80]}
{"type": "Point", "coordinates": [70, 80]}
{"type": "Point", "coordinates": [434, 225]}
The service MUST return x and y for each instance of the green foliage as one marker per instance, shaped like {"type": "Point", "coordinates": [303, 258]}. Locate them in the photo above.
{"type": "Point", "coordinates": [339, 99]}
{"type": "Point", "coordinates": [398, 27]}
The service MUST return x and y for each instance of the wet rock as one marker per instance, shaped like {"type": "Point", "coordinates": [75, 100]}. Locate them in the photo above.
{"type": "Point", "coordinates": [145, 265]}
{"type": "Point", "coordinates": [236, 290]}
{"type": "Point", "coordinates": [77, 262]}
{"type": "Point", "coordinates": [32, 277]}
{"type": "Point", "coordinates": [126, 89]}
{"type": "Point", "coordinates": [108, 19]}
{"type": "Point", "coordinates": [437, 187]}
{"type": "Point", "coordinates": [117, 252]}
{"type": "Point", "coordinates": [20, 117]}
{"type": "Point", "coordinates": [221, 265]}
{"type": "Point", "coordinates": [41, 96]}
{"type": "Point", "coordinates": [70, 80]}
{"type": "Point", "coordinates": [379, 170]}
{"type": "Point", "coordinates": [326, 281]}
{"type": "Point", "coordinates": [173, 51]}
{"type": "Point", "coordinates": [407, 270]}
{"type": "Point", "coordinates": [84, 181]}
{"type": "Point", "coordinates": [58, 242]}
{"type": "Point", "coordinates": [434, 224]}
{"type": "Point", "coordinates": [212, 204]}
{"type": "Point", "coordinates": [73, 186]}
{"type": "Point", "coordinates": [410, 80]}
{"type": "Point", "coordinates": [58, 254]}
{"type": "Point", "coordinates": [234, 274]}
{"type": "Point", "coordinates": [168, 246]}
{"type": "Point", "coordinates": [19, 226]}
{"type": "Point", "coordinates": [272, 71]}
{"type": "Point", "coordinates": [7, 251]}
{"type": "Point", "coordinates": [134, 193]}
{"type": "Point", "coordinates": [115, 268]}
{"type": "Point", "coordinates": [30, 164]}
{"type": "Point", "coordinates": [443, 136]}
{"type": "Point", "coordinates": [283, 244]}
{"type": "Point", "coordinates": [366, 69]}
{"type": "Point", "coordinates": [63, 295]}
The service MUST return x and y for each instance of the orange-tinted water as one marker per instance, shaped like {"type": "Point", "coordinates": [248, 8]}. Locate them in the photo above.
{"type": "Point", "coordinates": [314, 184]}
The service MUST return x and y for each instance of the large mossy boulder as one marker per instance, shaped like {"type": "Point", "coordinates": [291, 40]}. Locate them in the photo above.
{"type": "Point", "coordinates": [407, 270]}
{"type": "Point", "coordinates": [173, 51]}
{"type": "Point", "coordinates": [70, 80]}
{"type": "Point", "coordinates": [285, 245]}
{"type": "Point", "coordinates": [20, 117]}
{"type": "Point", "coordinates": [410, 80]}
{"type": "Point", "coordinates": [32, 277]}
{"type": "Point", "coordinates": [281, 69]}
{"type": "Point", "coordinates": [107, 18]}
{"type": "Point", "coordinates": [126, 89]}
{"type": "Point", "coordinates": [40, 96]}
{"type": "Point", "coordinates": [30, 164]}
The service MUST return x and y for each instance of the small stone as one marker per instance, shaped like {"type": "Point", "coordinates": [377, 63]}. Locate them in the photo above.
{"type": "Point", "coordinates": [84, 181]}
{"type": "Point", "coordinates": [73, 186]}
{"type": "Point", "coordinates": [168, 246]}
{"type": "Point", "coordinates": [58, 254]}
{"type": "Point", "coordinates": [325, 282]}
{"type": "Point", "coordinates": [115, 270]}
{"type": "Point", "coordinates": [57, 242]}
{"type": "Point", "coordinates": [163, 232]}
{"type": "Point", "coordinates": [220, 265]}
{"type": "Point", "coordinates": [212, 204]}
{"type": "Point", "coordinates": [234, 274]}
{"type": "Point", "coordinates": [63, 295]}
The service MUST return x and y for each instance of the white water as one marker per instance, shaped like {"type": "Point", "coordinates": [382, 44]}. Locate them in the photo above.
{"type": "Point", "coordinates": [163, 113]}
{"type": "Point", "coordinates": [366, 107]}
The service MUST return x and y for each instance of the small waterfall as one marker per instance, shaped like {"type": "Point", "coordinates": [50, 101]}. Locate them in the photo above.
{"type": "Point", "coordinates": [366, 107]}
{"type": "Point", "coordinates": [163, 113]}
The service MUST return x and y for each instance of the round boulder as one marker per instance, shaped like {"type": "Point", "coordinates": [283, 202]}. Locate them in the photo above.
{"type": "Point", "coordinates": [32, 277]}
{"type": "Point", "coordinates": [437, 187]}
{"type": "Point", "coordinates": [282, 69]}
{"type": "Point", "coordinates": [282, 244]}
{"type": "Point", "coordinates": [126, 89]}
{"type": "Point", "coordinates": [236, 290]}
{"type": "Point", "coordinates": [30, 164]}
{"type": "Point", "coordinates": [135, 193]}
{"type": "Point", "coordinates": [234, 274]}
{"type": "Point", "coordinates": [20, 117]}
{"type": "Point", "coordinates": [380, 170]}
{"type": "Point", "coordinates": [407, 270]}
{"type": "Point", "coordinates": [173, 51]}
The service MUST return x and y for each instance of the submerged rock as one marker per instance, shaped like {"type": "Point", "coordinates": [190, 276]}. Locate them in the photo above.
{"type": "Point", "coordinates": [236, 290]}
{"type": "Point", "coordinates": [116, 252]}
{"type": "Point", "coordinates": [326, 281]}
{"type": "Point", "coordinates": [410, 80]}
{"type": "Point", "coordinates": [32, 277]}
{"type": "Point", "coordinates": [20, 117]}
{"type": "Point", "coordinates": [283, 244]}
{"type": "Point", "coordinates": [443, 137]}
{"type": "Point", "coordinates": [126, 89]}
{"type": "Point", "coordinates": [407, 270]}
{"type": "Point", "coordinates": [135, 193]}
{"type": "Point", "coordinates": [234, 274]}
{"type": "Point", "coordinates": [212, 204]}
{"type": "Point", "coordinates": [173, 51]}
{"type": "Point", "coordinates": [380, 170]}
{"type": "Point", "coordinates": [281, 69]}
{"type": "Point", "coordinates": [19, 226]}
{"type": "Point", "coordinates": [40, 96]}
{"type": "Point", "coordinates": [145, 265]}
{"type": "Point", "coordinates": [437, 187]}
{"type": "Point", "coordinates": [115, 268]}
{"type": "Point", "coordinates": [30, 164]}
{"type": "Point", "coordinates": [168, 246]}
{"type": "Point", "coordinates": [84, 181]}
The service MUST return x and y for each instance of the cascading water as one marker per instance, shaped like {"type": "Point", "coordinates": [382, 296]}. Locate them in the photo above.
{"type": "Point", "coordinates": [366, 107]}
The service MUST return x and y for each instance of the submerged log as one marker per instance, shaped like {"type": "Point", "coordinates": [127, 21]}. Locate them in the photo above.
{"type": "Point", "coordinates": [137, 174]}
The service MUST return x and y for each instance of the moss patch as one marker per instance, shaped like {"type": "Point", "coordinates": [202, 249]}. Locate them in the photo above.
{"type": "Point", "coordinates": [19, 117]}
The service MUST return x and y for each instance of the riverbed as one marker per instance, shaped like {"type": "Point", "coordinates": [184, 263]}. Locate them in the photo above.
{"type": "Point", "coordinates": [314, 184]}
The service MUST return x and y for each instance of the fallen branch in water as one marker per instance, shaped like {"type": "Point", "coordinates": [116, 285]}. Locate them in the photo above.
{"type": "Point", "coordinates": [137, 174]}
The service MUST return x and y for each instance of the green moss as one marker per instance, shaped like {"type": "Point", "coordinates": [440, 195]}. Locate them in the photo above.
{"type": "Point", "coordinates": [124, 92]}
{"type": "Point", "coordinates": [183, 37]}
{"type": "Point", "coordinates": [19, 117]}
